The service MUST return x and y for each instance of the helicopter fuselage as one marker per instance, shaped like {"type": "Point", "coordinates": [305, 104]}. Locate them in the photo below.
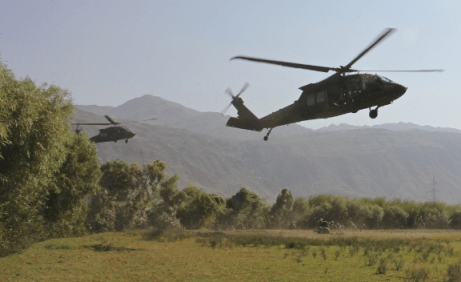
{"type": "Point", "coordinates": [333, 96]}
{"type": "Point", "coordinates": [337, 95]}
{"type": "Point", "coordinates": [113, 133]}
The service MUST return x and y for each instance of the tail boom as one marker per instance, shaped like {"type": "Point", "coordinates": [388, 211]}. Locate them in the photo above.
{"type": "Point", "coordinates": [246, 119]}
{"type": "Point", "coordinates": [248, 124]}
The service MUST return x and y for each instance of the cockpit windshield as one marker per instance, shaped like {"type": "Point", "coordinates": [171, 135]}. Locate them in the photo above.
{"type": "Point", "coordinates": [385, 79]}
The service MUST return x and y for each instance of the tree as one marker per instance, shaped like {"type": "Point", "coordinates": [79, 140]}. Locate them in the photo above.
{"type": "Point", "coordinates": [455, 220]}
{"type": "Point", "coordinates": [198, 208]}
{"type": "Point", "coordinates": [128, 192]}
{"type": "Point", "coordinates": [35, 144]}
{"type": "Point", "coordinates": [65, 207]}
{"type": "Point", "coordinates": [394, 217]}
{"type": "Point", "coordinates": [247, 211]}
{"type": "Point", "coordinates": [300, 211]}
{"type": "Point", "coordinates": [124, 197]}
{"type": "Point", "coordinates": [280, 215]}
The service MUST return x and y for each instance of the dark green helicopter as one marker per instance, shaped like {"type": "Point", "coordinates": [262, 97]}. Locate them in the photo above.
{"type": "Point", "coordinates": [113, 133]}
{"type": "Point", "coordinates": [336, 95]}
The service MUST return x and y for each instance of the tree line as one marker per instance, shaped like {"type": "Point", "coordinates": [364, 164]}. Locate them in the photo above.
{"type": "Point", "coordinates": [52, 184]}
{"type": "Point", "coordinates": [134, 196]}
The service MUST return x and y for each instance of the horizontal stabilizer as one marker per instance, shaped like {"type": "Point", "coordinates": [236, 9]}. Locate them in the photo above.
{"type": "Point", "coordinates": [248, 124]}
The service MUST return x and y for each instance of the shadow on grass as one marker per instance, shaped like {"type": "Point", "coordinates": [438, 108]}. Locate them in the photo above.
{"type": "Point", "coordinates": [107, 248]}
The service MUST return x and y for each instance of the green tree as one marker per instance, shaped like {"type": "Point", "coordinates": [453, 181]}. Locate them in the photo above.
{"type": "Point", "coordinates": [198, 208]}
{"type": "Point", "coordinates": [162, 214]}
{"type": "Point", "coordinates": [394, 217]}
{"type": "Point", "coordinates": [329, 208]}
{"type": "Point", "coordinates": [434, 215]}
{"type": "Point", "coordinates": [36, 146]}
{"type": "Point", "coordinates": [301, 211]}
{"type": "Point", "coordinates": [247, 211]}
{"type": "Point", "coordinates": [455, 220]}
{"type": "Point", "coordinates": [280, 215]}
{"type": "Point", "coordinates": [125, 196]}
{"type": "Point", "coordinates": [65, 208]}
{"type": "Point", "coordinates": [128, 192]}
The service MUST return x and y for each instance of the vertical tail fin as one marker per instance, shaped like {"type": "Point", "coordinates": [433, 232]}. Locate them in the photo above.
{"type": "Point", "coordinates": [246, 119]}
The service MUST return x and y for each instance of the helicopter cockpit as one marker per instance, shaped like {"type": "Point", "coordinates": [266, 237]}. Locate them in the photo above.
{"type": "Point", "coordinates": [127, 129]}
{"type": "Point", "coordinates": [383, 78]}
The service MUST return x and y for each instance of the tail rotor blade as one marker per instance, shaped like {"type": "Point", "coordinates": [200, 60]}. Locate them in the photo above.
{"type": "Point", "coordinates": [243, 89]}
{"type": "Point", "coordinates": [225, 109]}
{"type": "Point", "coordinates": [229, 92]}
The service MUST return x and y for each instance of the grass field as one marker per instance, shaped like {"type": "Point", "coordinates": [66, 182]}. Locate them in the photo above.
{"type": "Point", "coordinates": [254, 255]}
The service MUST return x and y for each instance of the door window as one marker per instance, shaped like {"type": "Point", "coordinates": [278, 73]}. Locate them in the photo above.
{"type": "Point", "coordinates": [310, 100]}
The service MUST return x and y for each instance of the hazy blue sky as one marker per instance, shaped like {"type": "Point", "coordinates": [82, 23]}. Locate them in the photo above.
{"type": "Point", "coordinates": [107, 52]}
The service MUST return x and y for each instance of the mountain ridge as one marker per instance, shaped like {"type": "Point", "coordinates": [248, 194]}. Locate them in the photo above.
{"type": "Point", "coordinates": [364, 162]}
{"type": "Point", "coordinates": [172, 114]}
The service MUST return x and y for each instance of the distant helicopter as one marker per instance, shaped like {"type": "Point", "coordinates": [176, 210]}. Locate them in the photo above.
{"type": "Point", "coordinates": [113, 133]}
{"type": "Point", "coordinates": [336, 95]}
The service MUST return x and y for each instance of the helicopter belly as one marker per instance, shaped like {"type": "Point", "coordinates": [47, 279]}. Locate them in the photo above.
{"type": "Point", "coordinates": [287, 115]}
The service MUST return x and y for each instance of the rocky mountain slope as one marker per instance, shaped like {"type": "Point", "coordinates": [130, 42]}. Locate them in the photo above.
{"type": "Point", "coordinates": [366, 162]}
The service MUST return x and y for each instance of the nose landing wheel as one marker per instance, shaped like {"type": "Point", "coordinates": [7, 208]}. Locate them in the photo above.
{"type": "Point", "coordinates": [267, 135]}
{"type": "Point", "coordinates": [126, 141]}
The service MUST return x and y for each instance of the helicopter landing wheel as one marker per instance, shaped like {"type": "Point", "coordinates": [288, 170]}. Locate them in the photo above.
{"type": "Point", "coordinates": [126, 141]}
{"type": "Point", "coordinates": [373, 113]}
{"type": "Point", "coordinates": [115, 141]}
{"type": "Point", "coordinates": [267, 135]}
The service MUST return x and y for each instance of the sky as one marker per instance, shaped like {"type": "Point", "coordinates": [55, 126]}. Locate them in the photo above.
{"type": "Point", "coordinates": [108, 52]}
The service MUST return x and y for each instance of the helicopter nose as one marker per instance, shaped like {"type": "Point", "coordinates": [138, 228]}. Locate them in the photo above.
{"type": "Point", "coordinates": [400, 89]}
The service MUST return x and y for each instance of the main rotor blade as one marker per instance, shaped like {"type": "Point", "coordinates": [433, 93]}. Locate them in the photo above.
{"type": "Point", "coordinates": [136, 121]}
{"type": "Point", "coordinates": [77, 124]}
{"type": "Point", "coordinates": [111, 120]}
{"type": "Point", "coordinates": [386, 33]}
{"type": "Point", "coordinates": [434, 70]}
{"type": "Point", "coordinates": [288, 64]}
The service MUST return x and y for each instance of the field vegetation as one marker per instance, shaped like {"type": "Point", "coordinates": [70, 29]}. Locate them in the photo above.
{"type": "Point", "coordinates": [260, 255]}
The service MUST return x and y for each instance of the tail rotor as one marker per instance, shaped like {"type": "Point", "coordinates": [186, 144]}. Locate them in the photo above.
{"type": "Point", "coordinates": [229, 92]}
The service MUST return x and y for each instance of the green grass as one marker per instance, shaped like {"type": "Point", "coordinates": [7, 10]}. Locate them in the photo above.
{"type": "Point", "coordinates": [233, 256]}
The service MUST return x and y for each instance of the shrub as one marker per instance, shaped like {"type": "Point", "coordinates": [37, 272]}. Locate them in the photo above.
{"type": "Point", "coordinates": [454, 272]}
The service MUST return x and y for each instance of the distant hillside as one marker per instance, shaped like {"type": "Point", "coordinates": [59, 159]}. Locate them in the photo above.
{"type": "Point", "coordinates": [97, 110]}
{"type": "Point", "coordinates": [359, 163]}
{"type": "Point", "coordinates": [177, 116]}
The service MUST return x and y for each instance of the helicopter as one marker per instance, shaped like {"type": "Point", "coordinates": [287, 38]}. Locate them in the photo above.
{"type": "Point", "coordinates": [339, 94]}
{"type": "Point", "coordinates": [113, 133]}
